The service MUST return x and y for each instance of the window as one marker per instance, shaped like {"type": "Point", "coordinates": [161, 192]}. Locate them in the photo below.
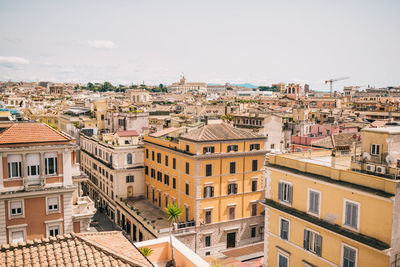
{"type": "Point", "coordinates": [111, 178]}
{"type": "Point", "coordinates": [351, 214]}
{"type": "Point", "coordinates": [207, 216]}
{"type": "Point", "coordinates": [52, 204]}
{"type": "Point", "coordinates": [312, 242]}
{"type": "Point", "coordinates": [166, 179]}
{"type": "Point", "coordinates": [158, 157]}
{"type": "Point", "coordinates": [152, 155]}
{"type": "Point", "coordinates": [232, 167]}
{"type": "Point", "coordinates": [254, 185]}
{"type": "Point", "coordinates": [33, 162]}
{"type": "Point", "coordinates": [349, 256]}
{"type": "Point", "coordinates": [208, 170]}
{"type": "Point", "coordinates": [166, 201]}
{"type": "Point", "coordinates": [174, 183]}
{"type": "Point", "coordinates": [187, 168]}
{"type": "Point", "coordinates": [374, 149]}
{"type": "Point", "coordinates": [284, 229]}
{"type": "Point", "coordinates": [232, 189]}
{"type": "Point", "coordinates": [16, 208]}
{"type": "Point", "coordinates": [207, 241]}
{"type": "Point", "coordinates": [254, 209]}
{"type": "Point", "coordinates": [166, 160]}
{"type": "Point", "coordinates": [50, 162]}
{"type": "Point", "coordinates": [153, 173]}
{"type": "Point", "coordinates": [233, 148]}
{"type": "Point", "coordinates": [272, 146]}
{"type": "Point", "coordinates": [187, 213]}
{"type": "Point", "coordinates": [254, 146]}
{"type": "Point", "coordinates": [285, 192]}
{"type": "Point", "coordinates": [283, 261]}
{"type": "Point", "coordinates": [146, 170]}
{"type": "Point", "coordinates": [231, 213]}
{"type": "Point", "coordinates": [187, 148]}
{"type": "Point", "coordinates": [130, 179]}
{"type": "Point", "coordinates": [254, 165]}
{"type": "Point", "coordinates": [147, 153]}
{"type": "Point", "coordinates": [159, 199]}
{"type": "Point", "coordinates": [159, 176]}
{"type": "Point", "coordinates": [208, 149]}
{"type": "Point", "coordinates": [14, 166]}
{"type": "Point", "coordinates": [54, 230]}
{"type": "Point", "coordinates": [17, 236]}
{"type": "Point", "coordinates": [313, 201]}
{"type": "Point", "coordinates": [129, 158]}
{"type": "Point", "coordinates": [187, 188]}
{"type": "Point", "coordinates": [208, 191]}
{"type": "Point", "coordinates": [174, 163]}
{"type": "Point", "coordinates": [253, 231]}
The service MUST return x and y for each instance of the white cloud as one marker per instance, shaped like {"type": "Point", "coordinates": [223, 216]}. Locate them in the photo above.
{"type": "Point", "coordinates": [102, 44]}
{"type": "Point", "coordinates": [13, 61]}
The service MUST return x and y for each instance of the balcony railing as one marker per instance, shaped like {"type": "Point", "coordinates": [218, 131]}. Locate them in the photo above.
{"type": "Point", "coordinates": [181, 225]}
{"type": "Point", "coordinates": [33, 182]}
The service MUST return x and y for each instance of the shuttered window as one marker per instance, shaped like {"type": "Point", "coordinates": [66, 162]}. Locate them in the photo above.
{"type": "Point", "coordinates": [52, 204]}
{"type": "Point", "coordinates": [351, 214]}
{"type": "Point", "coordinates": [16, 208]}
{"type": "Point", "coordinates": [313, 202]}
{"type": "Point", "coordinates": [285, 192]}
{"type": "Point", "coordinates": [284, 234]}
{"type": "Point", "coordinates": [349, 257]}
{"type": "Point", "coordinates": [208, 191]}
{"type": "Point", "coordinates": [208, 170]}
{"type": "Point", "coordinates": [232, 167]}
{"type": "Point", "coordinates": [312, 242]}
{"type": "Point", "coordinates": [232, 189]}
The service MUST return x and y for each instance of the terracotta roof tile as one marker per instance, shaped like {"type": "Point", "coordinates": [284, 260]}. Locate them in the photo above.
{"type": "Point", "coordinates": [96, 249]}
{"type": "Point", "coordinates": [223, 131]}
{"type": "Point", "coordinates": [127, 133]}
{"type": "Point", "coordinates": [21, 133]}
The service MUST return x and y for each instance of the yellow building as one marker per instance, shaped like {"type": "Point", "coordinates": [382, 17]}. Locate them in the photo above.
{"type": "Point", "coordinates": [319, 215]}
{"type": "Point", "coordinates": [214, 174]}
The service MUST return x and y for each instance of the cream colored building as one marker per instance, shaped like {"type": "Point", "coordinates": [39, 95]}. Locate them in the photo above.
{"type": "Point", "coordinates": [183, 87]}
{"type": "Point", "coordinates": [115, 169]}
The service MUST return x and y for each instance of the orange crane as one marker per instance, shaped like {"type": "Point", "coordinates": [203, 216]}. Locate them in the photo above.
{"type": "Point", "coordinates": [335, 80]}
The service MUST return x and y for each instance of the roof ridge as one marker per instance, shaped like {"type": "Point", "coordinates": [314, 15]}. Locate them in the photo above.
{"type": "Point", "coordinates": [107, 250]}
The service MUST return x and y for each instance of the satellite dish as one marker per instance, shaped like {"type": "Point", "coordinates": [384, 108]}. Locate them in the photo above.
{"type": "Point", "coordinates": [389, 159]}
{"type": "Point", "coordinates": [366, 156]}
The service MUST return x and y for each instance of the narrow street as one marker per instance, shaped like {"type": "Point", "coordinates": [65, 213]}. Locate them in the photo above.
{"type": "Point", "coordinates": [103, 223]}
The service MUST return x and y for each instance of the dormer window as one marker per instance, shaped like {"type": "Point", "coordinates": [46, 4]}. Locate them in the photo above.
{"type": "Point", "coordinates": [254, 146]}
{"type": "Point", "coordinates": [233, 148]}
{"type": "Point", "coordinates": [208, 149]}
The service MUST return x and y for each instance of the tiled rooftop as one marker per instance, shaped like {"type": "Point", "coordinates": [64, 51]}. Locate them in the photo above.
{"type": "Point", "coordinates": [127, 133]}
{"type": "Point", "coordinates": [89, 249]}
{"type": "Point", "coordinates": [223, 131]}
{"type": "Point", "coordinates": [21, 133]}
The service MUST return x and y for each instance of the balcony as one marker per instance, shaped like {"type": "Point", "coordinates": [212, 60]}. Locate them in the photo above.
{"type": "Point", "coordinates": [32, 183]}
{"type": "Point", "coordinates": [83, 210]}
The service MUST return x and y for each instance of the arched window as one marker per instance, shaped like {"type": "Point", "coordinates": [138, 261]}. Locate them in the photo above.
{"type": "Point", "coordinates": [129, 158]}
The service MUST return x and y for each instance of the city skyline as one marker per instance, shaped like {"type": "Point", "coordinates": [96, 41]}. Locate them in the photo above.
{"type": "Point", "coordinates": [155, 42]}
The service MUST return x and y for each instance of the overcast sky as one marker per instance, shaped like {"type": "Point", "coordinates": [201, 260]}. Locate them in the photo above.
{"type": "Point", "coordinates": [216, 41]}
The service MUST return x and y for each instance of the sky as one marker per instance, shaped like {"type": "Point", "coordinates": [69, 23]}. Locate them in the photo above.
{"type": "Point", "coordinates": [260, 42]}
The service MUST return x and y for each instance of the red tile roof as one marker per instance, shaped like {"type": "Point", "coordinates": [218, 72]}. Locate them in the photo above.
{"type": "Point", "coordinates": [94, 249]}
{"type": "Point", "coordinates": [127, 133]}
{"type": "Point", "coordinates": [21, 133]}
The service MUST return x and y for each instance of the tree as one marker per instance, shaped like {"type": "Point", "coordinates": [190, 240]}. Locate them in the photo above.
{"type": "Point", "coordinates": [173, 212]}
{"type": "Point", "coordinates": [146, 251]}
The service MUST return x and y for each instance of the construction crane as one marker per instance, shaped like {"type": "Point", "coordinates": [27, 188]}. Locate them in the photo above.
{"type": "Point", "coordinates": [335, 80]}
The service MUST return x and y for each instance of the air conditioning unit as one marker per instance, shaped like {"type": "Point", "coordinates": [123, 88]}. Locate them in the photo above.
{"type": "Point", "coordinates": [370, 168]}
{"type": "Point", "coordinates": [381, 170]}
